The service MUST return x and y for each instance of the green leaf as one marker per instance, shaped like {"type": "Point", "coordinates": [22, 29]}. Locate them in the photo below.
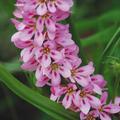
{"type": "Point", "coordinates": [41, 102]}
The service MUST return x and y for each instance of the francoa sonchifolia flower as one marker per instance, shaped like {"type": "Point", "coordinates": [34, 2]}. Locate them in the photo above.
{"type": "Point", "coordinates": [48, 50]}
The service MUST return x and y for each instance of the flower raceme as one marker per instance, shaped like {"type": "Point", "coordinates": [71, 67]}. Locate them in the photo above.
{"type": "Point", "coordinates": [48, 50]}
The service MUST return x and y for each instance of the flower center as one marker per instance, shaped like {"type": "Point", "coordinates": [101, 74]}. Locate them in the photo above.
{"type": "Point", "coordinates": [90, 117]}
{"type": "Point", "coordinates": [42, 1]}
{"type": "Point", "coordinates": [46, 50]}
{"type": "Point", "coordinates": [70, 91]}
{"type": "Point", "coordinates": [73, 72]}
{"type": "Point", "coordinates": [52, 0]}
{"type": "Point", "coordinates": [55, 66]}
{"type": "Point", "coordinates": [82, 94]}
{"type": "Point", "coordinates": [100, 109]}
{"type": "Point", "coordinates": [46, 16]}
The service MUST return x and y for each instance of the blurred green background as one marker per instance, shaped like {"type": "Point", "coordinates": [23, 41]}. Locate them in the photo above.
{"type": "Point", "coordinates": [94, 24]}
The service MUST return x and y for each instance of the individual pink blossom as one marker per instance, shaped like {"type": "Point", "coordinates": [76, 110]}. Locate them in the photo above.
{"type": "Point", "coordinates": [43, 6]}
{"type": "Point", "coordinates": [90, 116]}
{"type": "Point", "coordinates": [21, 43]}
{"type": "Point", "coordinates": [30, 65]}
{"type": "Point", "coordinates": [62, 36]}
{"type": "Point", "coordinates": [85, 99]}
{"type": "Point", "coordinates": [70, 54]}
{"type": "Point", "coordinates": [57, 92]}
{"type": "Point", "coordinates": [69, 96]}
{"type": "Point", "coordinates": [28, 30]}
{"type": "Point", "coordinates": [56, 70]}
{"type": "Point", "coordinates": [42, 80]}
{"type": "Point", "coordinates": [99, 80]}
{"type": "Point", "coordinates": [104, 111]}
{"type": "Point", "coordinates": [81, 75]}
{"type": "Point", "coordinates": [99, 83]}
{"type": "Point", "coordinates": [45, 54]}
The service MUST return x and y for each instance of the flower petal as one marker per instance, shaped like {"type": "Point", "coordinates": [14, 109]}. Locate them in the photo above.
{"type": "Point", "coordinates": [46, 61]}
{"type": "Point", "coordinates": [104, 116]}
{"type": "Point", "coordinates": [56, 55]}
{"type": "Point", "coordinates": [27, 54]}
{"type": "Point", "coordinates": [50, 25]}
{"type": "Point", "coordinates": [104, 97]}
{"type": "Point", "coordinates": [65, 72]}
{"type": "Point", "coordinates": [63, 5]}
{"type": "Point", "coordinates": [82, 81]}
{"type": "Point", "coordinates": [39, 38]}
{"type": "Point", "coordinates": [42, 9]}
{"type": "Point", "coordinates": [85, 106]}
{"type": "Point", "coordinates": [67, 101]}
{"type": "Point", "coordinates": [93, 100]}
{"type": "Point", "coordinates": [55, 80]}
{"type": "Point", "coordinates": [51, 7]}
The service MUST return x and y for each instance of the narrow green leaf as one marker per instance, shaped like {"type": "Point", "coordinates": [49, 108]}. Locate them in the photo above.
{"type": "Point", "coordinates": [112, 42]}
{"type": "Point", "coordinates": [41, 102]}
{"type": "Point", "coordinates": [109, 49]}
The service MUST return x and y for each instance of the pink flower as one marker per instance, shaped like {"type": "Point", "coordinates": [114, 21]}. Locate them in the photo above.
{"type": "Point", "coordinates": [90, 116]}
{"type": "Point", "coordinates": [68, 93]}
{"type": "Point", "coordinates": [45, 54]}
{"type": "Point", "coordinates": [28, 30]}
{"type": "Point", "coordinates": [69, 96]}
{"type": "Point", "coordinates": [84, 99]}
{"type": "Point", "coordinates": [57, 92]}
{"type": "Point", "coordinates": [42, 80]}
{"type": "Point", "coordinates": [55, 70]}
{"type": "Point", "coordinates": [31, 65]}
{"type": "Point", "coordinates": [20, 43]}
{"type": "Point", "coordinates": [104, 111]}
{"type": "Point", "coordinates": [99, 83]}
{"type": "Point", "coordinates": [62, 36]}
{"type": "Point", "coordinates": [81, 74]}
{"type": "Point", "coordinates": [47, 49]}
{"type": "Point", "coordinates": [99, 80]}
{"type": "Point", "coordinates": [43, 6]}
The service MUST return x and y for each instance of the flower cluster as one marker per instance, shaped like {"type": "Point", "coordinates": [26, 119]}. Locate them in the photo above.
{"type": "Point", "coordinates": [47, 49]}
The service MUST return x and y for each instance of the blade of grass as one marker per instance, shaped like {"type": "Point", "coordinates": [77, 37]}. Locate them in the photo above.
{"type": "Point", "coordinates": [109, 47]}
{"type": "Point", "coordinates": [111, 43]}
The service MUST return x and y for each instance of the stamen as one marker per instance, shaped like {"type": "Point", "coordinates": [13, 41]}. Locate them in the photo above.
{"type": "Point", "coordinates": [46, 50]}
{"type": "Point", "coordinates": [90, 117]}
{"type": "Point", "coordinates": [55, 66]}
{"type": "Point", "coordinates": [70, 91]}
{"type": "Point", "coordinates": [73, 72]}
{"type": "Point", "coordinates": [46, 16]}
{"type": "Point", "coordinates": [82, 94]}
{"type": "Point", "coordinates": [100, 109]}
